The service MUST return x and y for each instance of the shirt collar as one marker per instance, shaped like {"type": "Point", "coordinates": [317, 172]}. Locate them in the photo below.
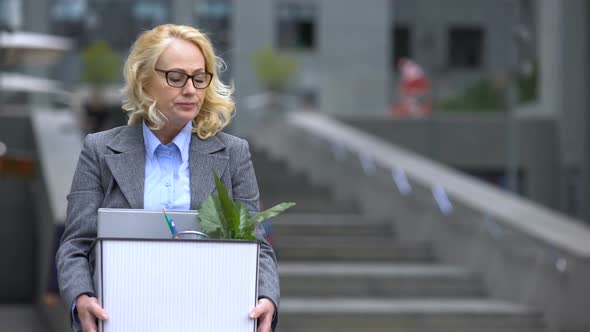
{"type": "Point", "coordinates": [182, 140]}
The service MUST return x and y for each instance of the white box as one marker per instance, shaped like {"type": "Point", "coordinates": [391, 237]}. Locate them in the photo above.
{"type": "Point", "coordinates": [176, 285]}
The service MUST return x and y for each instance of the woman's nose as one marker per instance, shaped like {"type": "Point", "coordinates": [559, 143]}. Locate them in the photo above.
{"type": "Point", "coordinates": [188, 88]}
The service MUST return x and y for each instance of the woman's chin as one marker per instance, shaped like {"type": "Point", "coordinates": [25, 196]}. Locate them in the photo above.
{"type": "Point", "coordinates": [182, 118]}
{"type": "Point", "coordinates": [184, 114]}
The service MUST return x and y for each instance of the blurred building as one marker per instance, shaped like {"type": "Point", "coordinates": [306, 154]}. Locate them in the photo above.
{"type": "Point", "coordinates": [347, 51]}
{"type": "Point", "coordinates": [459, 42]}
{"type": "Point", "coordinates": [355, 47]}
{"type": "Point", "coordinates": [345, 46]}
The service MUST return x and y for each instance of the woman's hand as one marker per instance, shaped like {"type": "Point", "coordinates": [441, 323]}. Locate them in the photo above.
{"type": "Point", "coordinates": [264, 312]}
{"type": "Point", "coordinates": [88, 312]}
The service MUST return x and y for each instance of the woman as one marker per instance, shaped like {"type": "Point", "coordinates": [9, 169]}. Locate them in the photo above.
{"type": "Point", "coordinates": [162, 159]}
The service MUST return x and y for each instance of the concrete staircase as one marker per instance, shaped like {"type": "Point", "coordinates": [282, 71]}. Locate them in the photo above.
{"type": "Point", "coordinates": [341, 271]}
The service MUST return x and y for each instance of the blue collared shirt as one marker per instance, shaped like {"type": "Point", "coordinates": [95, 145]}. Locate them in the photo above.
{"type": "Point", "coordinates": [167, 177]}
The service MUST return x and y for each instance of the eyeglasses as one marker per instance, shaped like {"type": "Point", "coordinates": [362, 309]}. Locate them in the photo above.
{"type": "Point", "coordinates": [177, 79]}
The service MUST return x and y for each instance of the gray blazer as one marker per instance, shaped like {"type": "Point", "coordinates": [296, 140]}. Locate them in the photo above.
{"type": "Point", "coordinates": [110, 174]}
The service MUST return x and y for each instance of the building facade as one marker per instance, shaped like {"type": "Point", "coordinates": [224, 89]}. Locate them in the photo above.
{"type": "Point", "coordinates": [347, 51]}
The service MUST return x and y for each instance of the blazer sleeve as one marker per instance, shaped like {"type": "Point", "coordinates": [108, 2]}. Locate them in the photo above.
{"type": "Point", "coordinates": [85, 197]}
{"type": "Point", "coordinates": [245, 190]}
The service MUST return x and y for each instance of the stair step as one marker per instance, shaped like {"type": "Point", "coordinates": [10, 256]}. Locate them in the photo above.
{"type": "Point", "coordinates": [294, 190]}
{"type": "Point", "coordinates": [273, 170]}
{"type": "Point", "coordinates": [312, 279]}
{"type": "Point", "coordinates": [329, 225]}
{"type": "Point", "coordinates": [307, 204]}
{"type": "Point", "coordinates": [302, 197]}
{"type": "Point", "coordinates": [278, 176]}
{"type": "Point", "coordinates": [370, 248]}
{"type": "Point", "coordinates": [412, 315]}
{"type": "Point", "coordinates": [277, 184]}
{"type": "Point", "coordinates": [20, 318]}
{"type": "Point", "coordinates": [328, 219]}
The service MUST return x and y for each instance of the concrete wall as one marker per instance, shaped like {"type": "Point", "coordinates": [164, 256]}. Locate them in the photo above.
{"type": "Point", "coordinates": [479, 142]}
{"type": "Point", "coordinates": [35, 16]}
{"type": "Point", "coordinates": [564, 49]}
{"type": "Point", "coordinates": [351, 65]}
{"type": "Point", "coordinates": [182, 11]}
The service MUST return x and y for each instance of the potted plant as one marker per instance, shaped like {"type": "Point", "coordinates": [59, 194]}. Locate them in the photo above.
{"type": "Point", "coordinates": [100, 67]}
{"type": "Point", "coordinates": [274, 70]}
{"type": "Point", "coordinates": [223, 218]}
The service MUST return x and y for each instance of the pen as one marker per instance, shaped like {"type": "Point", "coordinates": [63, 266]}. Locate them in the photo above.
{"type": "Point", "coordinates": [170, 223]}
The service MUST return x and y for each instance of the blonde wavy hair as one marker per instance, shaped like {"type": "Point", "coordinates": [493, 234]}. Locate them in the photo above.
{"type": "Point", "coordinates": [218, 106]}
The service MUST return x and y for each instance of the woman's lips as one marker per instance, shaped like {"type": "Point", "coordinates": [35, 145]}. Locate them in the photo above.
{"type": "Point", "coordinates": [186, 106]}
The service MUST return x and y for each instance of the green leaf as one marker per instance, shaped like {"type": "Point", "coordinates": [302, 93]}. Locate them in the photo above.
{"type": "Point", "coordinates": [246, 227]}
{"type": "Point", "coordinates": [231, 214]}
{"type": "Point", "coordinates": [244, 213]}
{"type": "Point", "coordinates": [221, 217]}
{"type": "Point", "coordinates": [210, 219]}
{"type": "Point", "coordinates": [272, 212]}
{"type": "Point", "coordinates": [247, 236]}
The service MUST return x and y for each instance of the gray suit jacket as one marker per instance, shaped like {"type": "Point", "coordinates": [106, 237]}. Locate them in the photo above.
{"type": "Point", "coordinates": [110, 174]}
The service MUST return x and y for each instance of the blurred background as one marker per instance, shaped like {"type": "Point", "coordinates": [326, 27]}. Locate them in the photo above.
{"type": "Point", "coordinates": [438, 151]}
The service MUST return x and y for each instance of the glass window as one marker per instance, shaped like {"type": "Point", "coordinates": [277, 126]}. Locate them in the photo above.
{"type": "Point", "coordinates": [119, 22]}
{"type": "Point", "coordinates": [466, 47]}
{"type": "Point", "coordinates": [68, 10]}
{"type": "Point", "coordinates": [214, 18]}
{"type": "Point", "coordinates": [401, 44]}
{"type": "Point", "coordinates": [148, 14]}
{"type": "Point", "coordinates": [296, 26]}
{"type": "Point", "coordinates": [68, 18]}
{"type": "Point", "coordinates": [11, 15]}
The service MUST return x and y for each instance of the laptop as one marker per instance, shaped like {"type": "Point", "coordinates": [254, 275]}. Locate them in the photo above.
{"type": "Point", "coordinates": [146, 224]}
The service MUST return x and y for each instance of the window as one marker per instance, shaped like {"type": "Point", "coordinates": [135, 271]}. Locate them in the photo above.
{"type": "Point", "coordinates": [68, 10]}
{"type": "Point", "coordinates": [148, 14]}
{"type": "Point", "coordinates": [67, 19]}
{"type": "Point", "coordinates": [465, 47]}
{"type": "Point", "coordinates": [11, 15]}
{"type": "Point", "coordinates": [296, 26]}
{"type": "Point", "coordinates": [119, 22]}
{"type": "Point", "coordinates": [214, 17]}
{"type": "Point", "coordinates": [401, 44]}
{"type": "Point", "coordinates": [112, 21]}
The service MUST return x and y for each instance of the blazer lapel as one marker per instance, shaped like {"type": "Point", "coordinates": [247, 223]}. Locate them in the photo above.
{"type": "Point", "coordinates": [202, 161]}
{"type": "Point", "coordinates": [127, 164]}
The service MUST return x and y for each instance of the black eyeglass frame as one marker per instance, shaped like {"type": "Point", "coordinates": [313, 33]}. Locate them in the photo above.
{"type": "Point", "coordinates": [187, 77]}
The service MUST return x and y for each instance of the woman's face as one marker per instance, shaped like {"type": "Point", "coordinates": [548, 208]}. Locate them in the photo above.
{"type": "Point", "coordinates": [179, 105]}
